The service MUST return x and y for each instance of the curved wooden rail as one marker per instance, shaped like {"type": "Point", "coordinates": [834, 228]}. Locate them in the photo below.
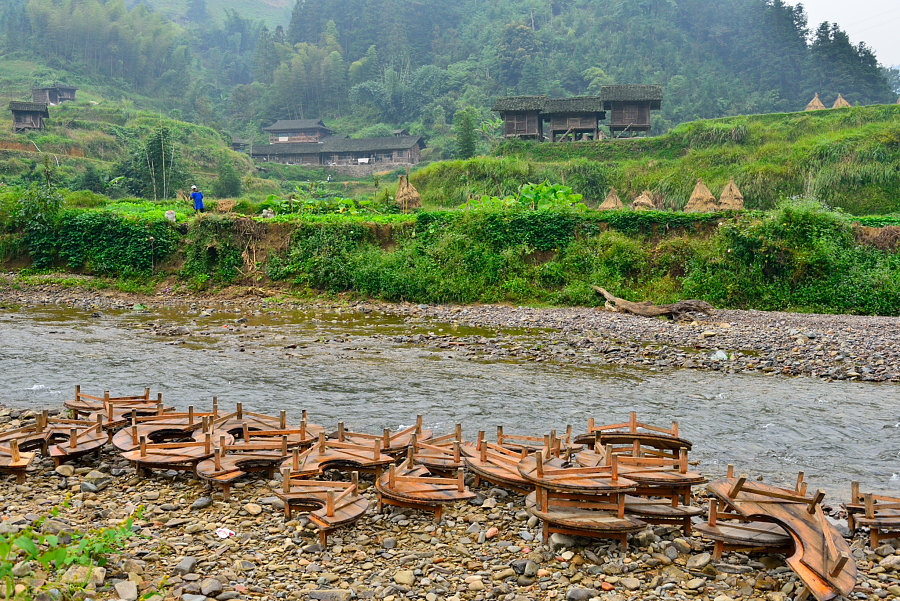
{"type": "Point", "coordinates": [495, 464]}
{"type": "Point", "coordinates": [441, 454]}
{"type": "Point", "coordinates": [880, 513]}
{"type": "Point", "coordinates": [635, 434]}
{"type": "Point", "coordinates": [392, 444]}
{"type": "Point", "coordinates": [333, 454]}
{"type": "Point", "coordinates": [821, 557]}
{"type": "Point", "coordinates": [61, 439]}
{"type": "Point", "coordinates": [730, 532]}
{"type": "Point", "coordinates": [574, 515]}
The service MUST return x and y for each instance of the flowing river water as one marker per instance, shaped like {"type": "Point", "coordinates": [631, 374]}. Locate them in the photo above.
{"type": "Point", "coordinates": [347, 366]}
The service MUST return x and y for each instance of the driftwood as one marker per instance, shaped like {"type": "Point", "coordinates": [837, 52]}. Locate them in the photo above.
{"type": "Point", "coordinates": [648, 309]}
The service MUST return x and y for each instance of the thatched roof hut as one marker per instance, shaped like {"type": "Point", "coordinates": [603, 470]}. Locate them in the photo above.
{"type": "Point", "coordinates": [612, 201]}
{"type": "Point", "coordinates": [407, 196]}
{"type": "Point", "coordinates": [701, 201]}
{"type": "Point", "coordinates": [731, 198]}
{"type": "Point", "coordinates": [815, 104]}
{"type": "Point", "coordinates": [841, 103]}
{"type": "Point", "coordinates": [644, 202]}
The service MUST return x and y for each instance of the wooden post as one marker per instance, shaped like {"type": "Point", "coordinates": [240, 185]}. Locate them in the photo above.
{"type": "Point", "coordinates": [614, 469]}
{"type": "Point", "coordinates": [240, 411]}
{"type": "Point", "coordinates": [459, 432]}
{"type": "Point", "coordinates": [713, 511]}
{"type": "Point", "coordinates": [105, 397]}
{"type": "Point", "coordinates": [303, 415]}
{"type": "Point", "coordinates": [479, 442]}
{"type": "Point", "coordinates": [483, 449]}
{"type": "Point", "coordinates": [500, 435]}
{"type": "Point", "coordinates": [811, 508]}
{"type": "Point", "coordinates": [841, 562]}
{"type": "Point", "coordinates": [77, 392]}
{"type": "Point", "coordinates": [456, 451]}
{"type": "Point", "coordinates": [321, 443]}
{"type": "Point", "coordinates": [191, 415]}
{"type": "Point", "coordinates": [303, 430]}
{"type": "Point", "coordinates": [539, 463]}
{"type": "Point", "coordinates": [387, 439]}
{"type": "Point", "coordinates": [284, 446]}
{"type": "Point", "coordinates": [674, 428]}
{"type": "Point", "coordinates": [596, 441]}
{"type": "Point", "coordinates": [609, 454]}
{"type": "Point", "coordinates": [296, 460]}
{"type": "Point", "coordinates": [286, 480]}
{"type": "Point", "coordinates": [392, 476]}
{"type": "Point", "coordinates": [329, 504]}
{"type": "Point", "coordinates": [632, 422]}
{"type": "Point", "coordinates": [869, 501]}
{"type": "Point", "coordinates": [682, 460]}
{"type": "Point", "coordinates": [729, 473]}
{"type": "Point", "coordinates": [14, 450]}
{"type": "Point", "coordinates": [208, 442]}
{"type": "Point", "coordinates": [245, 433]}
{"type": "Point", "coordinates": [854, 492]}
{"type": "Point", "coordinates": [377, 452]}
{"type": "Point", "coordinates": [143, 446]}
{"type": "Point", "coordinates": [419, 424]}
{"type": "Point", "coordinates": [341, 431]}
{"type": "Point", "coordinates": [134, 435]}
{"type": "Point", "coordinates": [73, 438]}
{"type": "Point", "coordinates": [590, 425]}
{"type": "Point", "coordinates": [215, 410]}
{"type": "Point", "coordinates": [147, 394]}
{"type": "Point", "coordinates": [737, 486]}
{"type": "Point", "coordinates": [222, 441]}
{"type": "Point", "coordinates": [218, 459]}
{"type": "Point", "coordinates": [282, 420]}
{"type": "Point", "coordinates": [354, 481]}
{"type": "Point", "coordinates": [109, 411]}
{"type": "Point", "coordinates": [460, 480]}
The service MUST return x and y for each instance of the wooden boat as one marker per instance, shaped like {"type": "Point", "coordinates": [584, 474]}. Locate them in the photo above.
{"type": "Point", "coordinates": [330, 504]}
{"type": "Point", "coordinates": [392, 444]}
{"type": "Point", "coordinates": [821, 557]}
{"type": "Point", "coordinates": [495, 464]}
{"type": "Point", "coordinates": [880, 513]}
{"type": "Point", "coordinates": [413, 486]}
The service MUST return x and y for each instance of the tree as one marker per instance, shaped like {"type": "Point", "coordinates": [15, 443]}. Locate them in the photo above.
{"type": "Point", "coordinates": [517, 45]}
{"type": "Point", "coordinates": [154, 169]}
{"type": "Point", "coordinates": [228, 182]}
{"type": "Point", "coordinates": [196, 12]}
{"type": "Point", "coordinates": [466, 136]}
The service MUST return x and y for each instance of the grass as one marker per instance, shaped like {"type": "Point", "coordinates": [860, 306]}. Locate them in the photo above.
{"type": "Point", "coordinates": [845, 158]}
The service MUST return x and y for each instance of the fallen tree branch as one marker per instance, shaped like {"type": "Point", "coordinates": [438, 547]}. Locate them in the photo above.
{"type": "Point", "coordinates": [648, 309]}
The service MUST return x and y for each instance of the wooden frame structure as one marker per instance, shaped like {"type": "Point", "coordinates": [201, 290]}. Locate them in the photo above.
{"type": "Point", "coordinates": [392, 444]}
{"type": "Point", "coordinates": [442, 454]}
{"type": "Point", "coordinates": [330, 504]}
{"type": "Point", "coordinates": [581, 501]}
{"type": "Point", "coordinates": [880, 513]}
{"type": "Point", "coordinates": [334, 454]}
{"type": "Point", "coordinates": [413, 486]}
{"type": "Point", "coordinates": [496, 464]}
{"type": "Point", "coordinates": [61, 439]}
{"type": "Point", "coordinates": [821, 557]}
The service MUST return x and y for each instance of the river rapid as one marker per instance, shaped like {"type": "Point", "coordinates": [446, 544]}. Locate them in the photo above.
{"type": "Point", "coordinates": [349, 366]}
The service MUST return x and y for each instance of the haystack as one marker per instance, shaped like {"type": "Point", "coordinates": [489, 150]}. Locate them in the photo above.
{"type": "Point", "coordinates": [644, 202]}
{"type": "Point", "coordinates": [612, 201]}
{"type": "Point", "coordinates": [701, 201]}
{"type": "Point", "coordinates": [815, 104]}
{"type": "Point", "coordinates": [407, 196]}
{"type": "Point", "coordinates": [731, 198]}
{"type": "Point", "coordinates": [841, 103]}
{"type": "Point", "coordinates": [225, 205]}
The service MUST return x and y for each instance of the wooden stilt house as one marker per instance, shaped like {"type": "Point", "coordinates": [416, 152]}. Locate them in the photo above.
{"type": "Point", "coordinates": [54, 95]}
{"type": "Point", "coordinates": [630, 107]}
{"type": "Point", "coordinates": [522, 116]}
{"type": "Point", "coordinates": [573, 119]}
{"type": "Point", "coordinates": [28, 115]}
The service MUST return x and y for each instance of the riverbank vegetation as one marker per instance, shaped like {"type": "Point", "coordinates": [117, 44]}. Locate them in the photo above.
{"type": "Point", "coordinates": [538, 246]}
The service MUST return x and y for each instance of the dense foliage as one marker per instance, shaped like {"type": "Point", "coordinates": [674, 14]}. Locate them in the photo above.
{"type": "Point", "coordinates": [415, 63]}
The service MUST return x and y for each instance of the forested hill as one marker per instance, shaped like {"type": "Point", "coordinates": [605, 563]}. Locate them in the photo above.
{"type": "Point", "coordinates": [416, 62]}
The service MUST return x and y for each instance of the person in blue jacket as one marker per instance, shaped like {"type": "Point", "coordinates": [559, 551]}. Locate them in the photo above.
{"type": "Point", "coordinates": [197, 197]}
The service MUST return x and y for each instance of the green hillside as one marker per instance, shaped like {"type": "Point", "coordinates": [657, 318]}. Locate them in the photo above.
{"type": "Point", "coordinates": [846, 158]}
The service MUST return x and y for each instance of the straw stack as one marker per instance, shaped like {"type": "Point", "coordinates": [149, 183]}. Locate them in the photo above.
{"type": "Point", "coordinates": [644, 202]}
{"type": "Point", "coordinates": [407, 196]}
{"type": "Point", "coordinates": [841, 103]}
{"type": "Point", "coordinates": [815, 104]}
{"type": "Point", "coordinates": [731, 198]}
{"type": "Point", "coordinates": [612, 201]}
{"type": "Point", "coordinates": [701, 201]}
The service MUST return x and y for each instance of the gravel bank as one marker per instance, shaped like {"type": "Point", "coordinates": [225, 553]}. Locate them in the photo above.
{"type": "Point", "coordinates": [832, 347]}
{"type": "Point", "coordinates": [488, 548]}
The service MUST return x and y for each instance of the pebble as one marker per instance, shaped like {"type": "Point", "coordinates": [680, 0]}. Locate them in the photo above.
{"type": "Point", "coordinates": [253, 508]}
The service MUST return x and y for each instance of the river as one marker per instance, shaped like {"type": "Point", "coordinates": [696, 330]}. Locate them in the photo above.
{"type": "Point", "coordinates": [345, 366]}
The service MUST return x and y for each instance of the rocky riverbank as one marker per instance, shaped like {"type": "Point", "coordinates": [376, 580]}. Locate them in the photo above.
{"type": "Point", "coordinates": [489, 548]}
{"type": "Point", "coordinates": [832, 347]}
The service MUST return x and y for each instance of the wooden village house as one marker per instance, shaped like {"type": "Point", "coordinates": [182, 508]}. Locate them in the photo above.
{"type": "Point", "coordinates": [579, 118]}
{"type": "Point", "coordinates": [574, 118]}
{"type": "Point", "coordinates": [339, 151]}
{"type": "Point", "coordinates": [53, 95]}
{"type": "Point", "coordinates": [297, 130]}
{"type": "Point", "coordinates": [630, 106]}
{"type": "Point", "coordinates": [28, 115]}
